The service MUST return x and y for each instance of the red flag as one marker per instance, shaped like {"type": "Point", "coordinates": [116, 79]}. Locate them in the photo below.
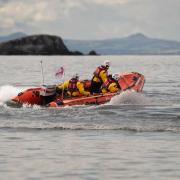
{"type": "Point", "coordinates": [60, 72]}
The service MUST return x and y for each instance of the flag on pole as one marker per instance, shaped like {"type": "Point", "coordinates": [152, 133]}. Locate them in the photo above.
{"type": "Point", "coordinates": [60, 72]}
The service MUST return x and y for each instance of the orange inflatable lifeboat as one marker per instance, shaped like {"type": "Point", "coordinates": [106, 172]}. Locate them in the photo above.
{"type": "Point", "coordinates": [47, 96]}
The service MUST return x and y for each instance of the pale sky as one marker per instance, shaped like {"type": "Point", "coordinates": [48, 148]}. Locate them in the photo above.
{"type": "Point", "coordinates": [91, 19]}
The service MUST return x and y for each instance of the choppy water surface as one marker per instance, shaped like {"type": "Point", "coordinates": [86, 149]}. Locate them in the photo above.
{"type": "Point", "coordinates": [135, 136]}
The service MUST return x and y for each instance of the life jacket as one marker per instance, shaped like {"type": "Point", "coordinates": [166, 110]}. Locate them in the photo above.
{"type": "Point", "coordinates": [87, 84]}
{"type": "Point", "coordinates": [72, 86]}
{"type": "Point", "coordinates": [98, 70]}
{"type": "Point", "coordinates": [107, 83]}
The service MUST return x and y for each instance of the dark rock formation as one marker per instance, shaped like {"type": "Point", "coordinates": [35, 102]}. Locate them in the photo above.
{"type": "Point", "coordinates": [77, 53]}
{"type": "Point", "coordinates": [93, 53]}
{"type": "Point", "coordinates": [35, 45]}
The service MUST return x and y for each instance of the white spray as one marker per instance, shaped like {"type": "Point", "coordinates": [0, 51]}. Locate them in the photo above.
{"type": "Point", "coordinates": [130, 97]}
{"type": "Point", "coordinates": [7, 92]}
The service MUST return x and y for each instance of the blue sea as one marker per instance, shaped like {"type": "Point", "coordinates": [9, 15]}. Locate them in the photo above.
{"type": "Point", "coordinates": [134, 136]}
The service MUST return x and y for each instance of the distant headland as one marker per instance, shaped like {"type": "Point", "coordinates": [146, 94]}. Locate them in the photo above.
{"type": "Point", "coordinates": [35, 45]}
{"type": "Point", "coordinates": [136, 44]}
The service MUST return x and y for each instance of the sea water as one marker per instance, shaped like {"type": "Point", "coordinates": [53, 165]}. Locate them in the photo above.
{"type": "Point", "coordinates": [134, 136]}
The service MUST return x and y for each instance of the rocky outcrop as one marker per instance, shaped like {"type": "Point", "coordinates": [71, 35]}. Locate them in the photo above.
{"type": "Point", "coordinates": [77, 53]}
{"type": "Point", "coordinates": [36, 45]}
{"type": "Point", "coordinates": [93, 53]}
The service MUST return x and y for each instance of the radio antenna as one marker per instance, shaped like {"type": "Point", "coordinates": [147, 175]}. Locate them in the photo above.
{"type": "Point", "coordinates": [42, 71]}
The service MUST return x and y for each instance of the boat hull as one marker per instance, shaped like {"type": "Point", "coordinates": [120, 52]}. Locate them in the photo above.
{"type": "Point", "coordinates": [92, 99]}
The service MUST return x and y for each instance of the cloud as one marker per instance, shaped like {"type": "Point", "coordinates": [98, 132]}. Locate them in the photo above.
{"type": "Point", "coordinates": [36, 10]}
{"type": "Point", "coordinates": [4, 1]}
{"type": "Point", "coordinates": [91, 19]}
{"type": "Point", "coordinates": [110, 2]}
{"type": "Point", "coordinates": [13, 11]}
{"type": "Point", "coordinates": [22, 11]}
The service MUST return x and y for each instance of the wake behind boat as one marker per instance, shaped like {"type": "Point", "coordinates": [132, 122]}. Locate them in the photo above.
{"type": "Point", "coordinates": [48, 96]}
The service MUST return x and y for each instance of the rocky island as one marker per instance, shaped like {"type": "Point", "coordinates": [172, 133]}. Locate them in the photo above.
{"type": "Point", "coordinates": [36, 45]}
